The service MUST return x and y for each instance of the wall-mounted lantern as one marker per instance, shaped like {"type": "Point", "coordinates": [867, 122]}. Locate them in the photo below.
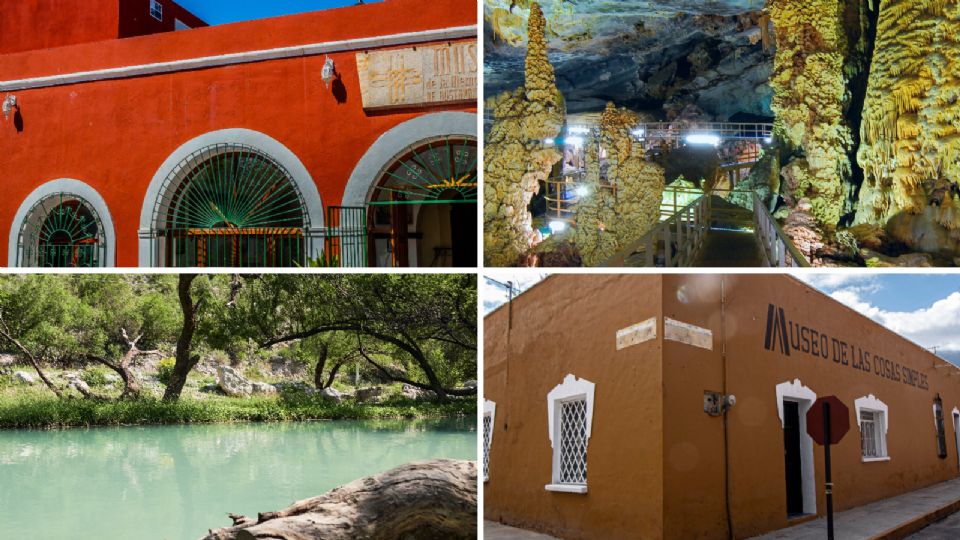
{"type": "Point", "coordinates": [328, 72]}
{"type": "Point", "coordinates": [9, 104]}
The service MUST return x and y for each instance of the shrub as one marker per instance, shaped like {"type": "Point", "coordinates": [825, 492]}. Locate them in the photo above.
{"type": "Point", "coordinates": [165, 370]}
{"type": "Point", "coordinates": [95, 376]}
{"type": "Point", "coordinates": [253, 373]}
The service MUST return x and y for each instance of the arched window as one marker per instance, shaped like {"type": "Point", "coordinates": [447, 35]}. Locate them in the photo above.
{"type": "Point", "coordinates": [230, 205]}
{"type": "Point", "coordinates": [62, 230]}
{"type": "Point", "coordinates": [423, 207]}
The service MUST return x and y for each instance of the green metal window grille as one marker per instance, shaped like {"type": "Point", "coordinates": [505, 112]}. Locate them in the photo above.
{"type": "Point", "coordinates": [346, 240]}
{"type": "Point", "coordinates": [62, 231]}
{"type": "Point", "coordinates": [230, 205]}
{"type": "Point", "coordinates": [442, 170]}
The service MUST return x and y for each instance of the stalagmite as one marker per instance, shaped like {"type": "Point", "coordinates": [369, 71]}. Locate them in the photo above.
{"type": "Point", "coordinates": [911, 124]}
{"type": "Point", "coordinates": [516, 156]}
{"type": "Point", "coordinates": [428, 500]}
{"type": "Point", "coordinates": [624, 206]}
{"type": "Point", "coordinates": [809, 89]}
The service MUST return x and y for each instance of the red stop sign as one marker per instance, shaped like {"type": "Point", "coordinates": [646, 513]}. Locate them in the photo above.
{"type": "Point", "coordinates": [839, 420]}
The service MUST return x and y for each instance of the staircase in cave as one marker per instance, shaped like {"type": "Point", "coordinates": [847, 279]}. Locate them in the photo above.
{"type": "Point", "coordinates": [713, 232]}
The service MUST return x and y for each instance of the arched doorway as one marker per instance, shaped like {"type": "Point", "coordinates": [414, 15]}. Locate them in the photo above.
{"type": "Point", "coordinates": [62, 230]}
{"type": "Point", "coordinates": [422, 211]}
{"type": "Point", "coordinates": [230, 205]}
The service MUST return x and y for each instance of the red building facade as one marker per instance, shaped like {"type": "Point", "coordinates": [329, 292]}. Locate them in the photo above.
{"type": "Point", "coordinates": [345, 136]}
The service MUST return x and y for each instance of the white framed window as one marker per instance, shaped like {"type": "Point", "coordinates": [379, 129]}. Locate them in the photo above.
{"type": "Point", "coordinates": [873, 420]}
{"type": "Point", "coordinates": [570, 416]}
{"type": "Point", "coordinates": [180, 25]}
{"type": "Point", "coordinates": [489, 417]}
{"type": "Point", "coordinates": [156, 10]}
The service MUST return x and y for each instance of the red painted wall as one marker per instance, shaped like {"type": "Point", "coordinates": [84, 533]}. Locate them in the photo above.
{"type": "Point", "coordinates": [114, 135]}
{"type": "Point", "coordinates": [135, 18]}
{"type": "Point", "coordinates": [39, 24]}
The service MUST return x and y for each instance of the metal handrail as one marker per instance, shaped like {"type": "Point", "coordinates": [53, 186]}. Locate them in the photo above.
{"type": "Point", "coordinates": [776, 247]}
{"type": "Point", "coordinates": [682, 235]}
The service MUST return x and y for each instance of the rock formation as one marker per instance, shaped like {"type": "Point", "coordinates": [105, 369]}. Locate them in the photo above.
{"type": "Point", "coordinates": [910, 152]}
{"type": "Point", "coordinates": [425, 500]}
{"type": "Point", "coordinates": [624, 205]}
{"type": "Point", "coordinates": [517, 158]}
{"type": "Point", "coordinates": [233, 383]}
{"type": "Point", "coordinates": [809, 87]}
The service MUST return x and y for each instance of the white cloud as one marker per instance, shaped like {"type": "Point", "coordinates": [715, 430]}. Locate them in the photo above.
{"type": "Point", "coordinates": [937, 325]}
{"type": "Point", "coordinates": [495, 295]}
{"type": "Point", "coordinates": [830, 282]}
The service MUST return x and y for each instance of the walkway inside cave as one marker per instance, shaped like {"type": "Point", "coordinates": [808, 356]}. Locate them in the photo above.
{"type": "Point", "coordinates": [731, 241]}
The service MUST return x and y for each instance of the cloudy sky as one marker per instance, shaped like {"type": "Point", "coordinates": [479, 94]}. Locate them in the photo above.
{"type": "Point", "coordinates": [922, 307]}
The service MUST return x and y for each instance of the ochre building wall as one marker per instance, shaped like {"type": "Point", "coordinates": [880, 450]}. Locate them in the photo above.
{"type": "Point", "coordinates": [656, 460]}
{"type": "Point", "coordinates": [114, 135]}
{"type": "Point", "coordinates": [693, 440]}
{"type": "Point", "coordinates": [568, 326]}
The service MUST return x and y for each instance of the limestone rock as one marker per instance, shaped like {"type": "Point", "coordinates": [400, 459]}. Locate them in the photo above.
{"type": "Point", "coordinates": [910, 260]}
{"type": "Point", "coordinates": [803, 229]}
{"type": "Point", "coordinates": [262, 388]}
{"type": "Point", "coordinates": [810, 87]}
{"type": "Point", "coordinates": [331, 394]}
{"type": "Point", "coordinates": [367, 394]}
{"type": "Point", "coordinates": [232, 382]}
{"type": "Point", "coordinates": [517, 156]}
{"type": "Point", "coordinates": [23, 377]}
{"type": "Point", "coordinates": [910, 152]}
{"type": "Point", "coordinates": [80, 386]}
{"type": "Point", "coordinates": [624, 203]}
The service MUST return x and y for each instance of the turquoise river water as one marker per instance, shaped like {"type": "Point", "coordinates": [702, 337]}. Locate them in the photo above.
{"type": "Point", "coordinates": [175, 482]}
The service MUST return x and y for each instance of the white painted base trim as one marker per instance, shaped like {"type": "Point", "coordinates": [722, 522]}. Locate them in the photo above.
{"type": "Point", "coordinates": [872, 459]}
{"type": "Point", "coordinates": [566, 488]}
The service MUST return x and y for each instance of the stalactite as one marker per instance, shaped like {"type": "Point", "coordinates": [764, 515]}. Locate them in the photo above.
{"type": "Point", "coordinates": [626, 205]}
{"type": "Point", "coordinates": [911, 121]}
{"type": "Point", "coordinates": [516, 158]}
{"type": "Point", "coordinates": [809, 90]}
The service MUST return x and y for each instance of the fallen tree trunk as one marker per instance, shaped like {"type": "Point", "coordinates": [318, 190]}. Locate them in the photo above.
{"type": "Point", "coordinates": [427, 500]}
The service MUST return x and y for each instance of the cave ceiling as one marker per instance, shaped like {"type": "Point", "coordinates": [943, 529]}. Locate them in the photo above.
{"type": "Point", "coordinates": [653, 56]}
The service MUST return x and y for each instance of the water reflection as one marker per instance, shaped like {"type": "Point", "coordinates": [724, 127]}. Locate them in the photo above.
{"type": "Point", "coordinates": [177, 481]}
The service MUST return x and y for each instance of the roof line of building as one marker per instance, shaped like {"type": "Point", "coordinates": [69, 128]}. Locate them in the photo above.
{"type": "Point", "coordinates": [205, 62]}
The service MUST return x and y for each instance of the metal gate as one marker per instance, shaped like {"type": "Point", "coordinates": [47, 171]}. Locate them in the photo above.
{"type": "Point", "coordinates": [346, 240]}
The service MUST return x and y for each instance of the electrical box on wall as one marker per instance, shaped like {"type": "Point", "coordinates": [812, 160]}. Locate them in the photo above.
{"type": "Point", "coordinates": [712, 403]}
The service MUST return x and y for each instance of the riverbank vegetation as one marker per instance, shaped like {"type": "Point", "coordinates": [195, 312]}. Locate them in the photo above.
{"type": "Point", "coordinates": [79, 350]}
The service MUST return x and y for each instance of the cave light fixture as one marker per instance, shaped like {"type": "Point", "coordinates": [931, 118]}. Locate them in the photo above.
{"type": "Point", "coordinates": [639, 133]}
{"type": "Point", "coordinates": [578, 130]}
{"type": "Point", "coordinates": [557, 226]}
{"type": "Point", "coordinates": [704, 139]}
{"type": "Point", "coordinates": [768, 140]}
{"type": "Point", "coordinates": [576, 142]}
{"type": "Point", "coordinates": [549, 142]}
{"type": "Point", "coordinates": [582, 191]}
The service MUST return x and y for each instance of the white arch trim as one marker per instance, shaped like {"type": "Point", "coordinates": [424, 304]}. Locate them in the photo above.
{"type": "Point", "coordinates": [394, 141]}
{"type": "Point", "coordinates": [266, 144]}
{"type": "Point", "coordinates": [805, 397]}
{"type": "Point", "coordinates": [72, 187]}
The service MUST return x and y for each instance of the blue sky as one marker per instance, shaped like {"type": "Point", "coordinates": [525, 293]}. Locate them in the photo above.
{"type": "Point", "coordinates": [227, 11]}
{"type": "Point", "coordinates": [922, 307]}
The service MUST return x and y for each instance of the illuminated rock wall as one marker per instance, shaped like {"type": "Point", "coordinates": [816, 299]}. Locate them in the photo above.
{"type": "Point", "coordinates": [626, 206]}
{"type": "Point", "coordinates": [809, 89]}
{"type": "Point", "coordinates": [516, 159]}
{"type": "Point", "coordinates": [911, 124]}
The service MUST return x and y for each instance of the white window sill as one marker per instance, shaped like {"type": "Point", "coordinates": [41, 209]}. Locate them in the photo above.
{"type": "Point", "coordinates": [566, 488]}
{"type": "Point", "coordinates": [872, 459]}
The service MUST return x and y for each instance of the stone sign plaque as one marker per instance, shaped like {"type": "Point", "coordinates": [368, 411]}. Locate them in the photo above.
{"type": "Point", "coordinates": [418, 76]}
